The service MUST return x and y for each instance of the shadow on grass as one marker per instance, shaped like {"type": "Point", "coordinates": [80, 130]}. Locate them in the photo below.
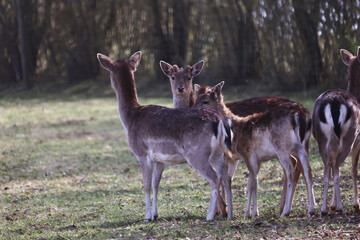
{"type": "Point", "coordinates": [117, 224]}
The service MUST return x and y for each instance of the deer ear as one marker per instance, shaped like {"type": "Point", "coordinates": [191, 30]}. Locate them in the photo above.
{"type": "Point", "coordinates": [135, 59]}
{"type": "Point", "coordinates": [166, 68]}
{"type": "Point", "coordinates": [217, 88]}
{"type": "Point", "coordinates": [105, 62]}
{"type": "Point", "coordinates": [196, 87]}
{"type": "Point", "coordinates": [197, 67]}
{"type": "Point", "coordinates": [346, 56]}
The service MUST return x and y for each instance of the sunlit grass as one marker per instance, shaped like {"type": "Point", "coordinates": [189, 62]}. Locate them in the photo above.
{"type": "Point", "coordinates": [66, 171]}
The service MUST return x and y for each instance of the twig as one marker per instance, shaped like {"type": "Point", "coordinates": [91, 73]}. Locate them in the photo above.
{"type": "Point", "coordinates": [62, 237]}
{"type": "Point", "coordinates": [82, 179]}
{"type": "Point", "coordinates": [149, 230]}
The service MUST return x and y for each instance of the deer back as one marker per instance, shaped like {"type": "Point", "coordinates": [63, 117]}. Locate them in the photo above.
{"type": "Point", "coordinates": [257, 113]}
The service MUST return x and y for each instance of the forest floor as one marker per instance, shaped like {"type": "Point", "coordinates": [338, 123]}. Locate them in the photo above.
{"type": "Point", "coordinates": [66, 172]}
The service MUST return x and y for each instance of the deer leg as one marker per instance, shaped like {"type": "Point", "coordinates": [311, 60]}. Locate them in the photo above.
{"type": "Point", "coordinates": [249, 191]}
{"type": "Point", "coordinates": [354, 175]}
{"type": "Point", "coordinates": [333, 199]}
{"type": "Point", "coordinates": [288, 167]}
{"type": "Point", "coordinates": [336, 173]}
{"type": "Point", "coordinates": [304, 159]}
{"type": "Point", "coordinates": [214, 184]}
{"type": "Point", "coordinates": [156, 177]}
{"type": "Point", "coordinates": [255, 209]}
{"type": "Point", "coordinates": [146, 168]}
{"type": "Point", "coordinates": [283, 193]}
{"type": "Point", "coordinates": [326, 187]}
{"type": "Point", "coordinates": [298, 170]}
{"type": "Point", "coordinates": [343, 153]}
{"type": "Point", "coordinates": [232, 167]}
{"type": "Point", "coordinates": [251, 164]}
{"type": "Point", "coordinates": [217, 161]}
{"type": "Point", "coordinates": [203, 167]}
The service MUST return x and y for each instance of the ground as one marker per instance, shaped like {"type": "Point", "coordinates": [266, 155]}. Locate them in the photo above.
{"type": "Point", "coordinates": [66, 172]}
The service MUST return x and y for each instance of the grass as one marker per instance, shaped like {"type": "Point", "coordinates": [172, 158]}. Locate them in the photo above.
{"type": "Point", "coordinates": [66, 172]}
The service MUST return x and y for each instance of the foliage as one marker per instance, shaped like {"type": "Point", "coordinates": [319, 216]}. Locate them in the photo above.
{"type": "Point", "coordinates": [66, 172]}
{"type": "Point", "coordinates": [281, 44]}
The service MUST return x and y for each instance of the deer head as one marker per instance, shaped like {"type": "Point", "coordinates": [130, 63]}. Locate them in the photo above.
{"type": "Point", "coordinates": [209, 97]}
{"type": "Point", "coordinates": [353, 77]}
{"type": "Point", "coordinates": [112, 66]}
{"type": "Point", "coordinates": [181, 78]}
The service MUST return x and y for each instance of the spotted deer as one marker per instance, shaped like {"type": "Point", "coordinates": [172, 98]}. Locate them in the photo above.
{"type": "Point", "coordinates": [181, 82]}
{"type": "Point", "coordinates": [240, 108]}
{"type": "Point", "coordinates": [158, 136]}
{"type": "Point", "coordinates": [336, 130]}
{"type": "Point", "coordinates": [280, 132]}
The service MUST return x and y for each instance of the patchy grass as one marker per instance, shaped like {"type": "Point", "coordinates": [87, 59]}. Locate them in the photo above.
{"type": "Point", "coordinates": [66, 172]}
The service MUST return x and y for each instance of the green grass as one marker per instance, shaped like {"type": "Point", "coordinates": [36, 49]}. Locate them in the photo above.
{"type": "Point", "coordinates": [66, 172]}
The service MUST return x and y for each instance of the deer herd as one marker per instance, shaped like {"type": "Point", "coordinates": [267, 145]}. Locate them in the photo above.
{"type": "Point", "coordinates": [213, 136]}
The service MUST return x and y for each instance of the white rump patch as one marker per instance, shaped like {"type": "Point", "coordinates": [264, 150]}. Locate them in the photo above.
{"type": "Point", "coordinates": [297, 128]}
{"type": "Point", "coordinates": [214, 142]}
{"type": "Point", "coordinates": [327, 128]}
{"type": "Point", "coordinates": [343, 112]}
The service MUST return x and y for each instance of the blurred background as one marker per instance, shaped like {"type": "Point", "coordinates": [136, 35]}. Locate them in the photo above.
{"type": "Point", "coordinates": [288, 45]}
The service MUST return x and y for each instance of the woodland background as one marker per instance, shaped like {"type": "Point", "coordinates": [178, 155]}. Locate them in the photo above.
{"type": "Point", "coordinates": [282, 44]}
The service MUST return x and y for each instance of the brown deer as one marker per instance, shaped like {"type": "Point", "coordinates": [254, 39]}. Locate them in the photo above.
{"type": "Point", "coordinates": [181, 82]}
{"type": "Point", "coordinates": [336, 130]}
{"type": "Point", "coordinates": [158, 135]}
{"type": "Point", "coordinates": [183, 94]}
{"type": "Point", "coordinates": [240, 108]}
{"type": "Point", "coordinates": [279, 133]}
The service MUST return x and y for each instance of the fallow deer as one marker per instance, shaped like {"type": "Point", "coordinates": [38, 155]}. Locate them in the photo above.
{"type": "Point", "coordinates": [336, 130]}
{"type": "Point", "coordinates": [181, 82]}
{"type": "Point", "coordinates": [183, 94]}
{"type": "Point", "coordinates": [158, 136]}
{"type": "Point", "coordinates": [240, 108]}
{"type": "Point", "coordinates": [279, 132]}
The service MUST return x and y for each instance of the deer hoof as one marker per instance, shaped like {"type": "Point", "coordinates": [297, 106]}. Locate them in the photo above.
{"type": "Point", "coordinates": [333, 208]}
{"type": "Point", "coordinates": [340, 211]}
{"type": "Point", "coordinates": [356, 208]}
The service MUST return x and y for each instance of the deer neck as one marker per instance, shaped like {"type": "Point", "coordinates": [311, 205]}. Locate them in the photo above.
{"type": "Point", "coordinates": [185, 101]}
{"type": "Point", "coordinates": [225, 111]}
{"type": "Point", "coordinates": [126, 97]}
{"type": "Point", "coordinates": [354, 88]}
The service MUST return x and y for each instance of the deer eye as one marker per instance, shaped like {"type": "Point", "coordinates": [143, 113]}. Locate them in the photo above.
{"type": "Point", "coordinates": [189, 78]}
{"type": "Point", "coordinates": [172, 77]}
{"type": "Point", "coordinates": [205, 102]}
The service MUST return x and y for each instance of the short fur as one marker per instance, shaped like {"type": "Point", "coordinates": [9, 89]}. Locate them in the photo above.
{"type": "Point", "coordinates": [336, 140]}
{"type": "Point", "coordinates": [181, 82]}
{"type": "Point", "coordinates": [338, 135]}
{"type": "Point", "coordinates": [244, 108]}
{"type": "Point", "coordinates": [158, 135]}
{"type": "Point", "coordinates": [261, 129]}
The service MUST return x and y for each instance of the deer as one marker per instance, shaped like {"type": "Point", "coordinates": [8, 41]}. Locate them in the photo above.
{"type": "Point", "coordinates": [279, 133]}
{"type": "Point", "coordinates": [336, 131]}
{"type": "Point", "coordinates": [159, 136]}
{"type": "Point", "coordinates": [181, 82]}
{"type": "Point", "coordinates": [240, 108]}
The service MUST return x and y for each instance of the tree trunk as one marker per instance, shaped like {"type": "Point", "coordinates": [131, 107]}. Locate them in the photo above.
{"type": "Point", "coordinates": [181, 11]}
{"type": "Point", "coordinates": [24, 50]}
{"type": "Point", "coordinates": [308, 33]}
